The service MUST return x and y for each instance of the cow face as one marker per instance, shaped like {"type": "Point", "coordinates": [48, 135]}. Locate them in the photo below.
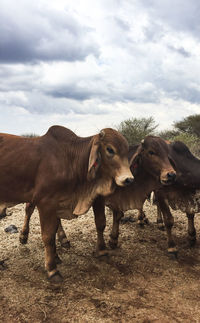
{"type": "Point", "coordinates": [109, 156]}
{"type": "Point", "coordinates": [153, 153]}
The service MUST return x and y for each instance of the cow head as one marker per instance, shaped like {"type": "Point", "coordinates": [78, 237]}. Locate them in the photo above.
{"type": "Point", "coordinates": [153, 154]}
{"type": "Point", "coordinates": [109, 156]}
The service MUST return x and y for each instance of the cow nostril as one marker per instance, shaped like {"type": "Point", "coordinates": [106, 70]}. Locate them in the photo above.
{"type": "Point", "coordinates": [128, 180]}
{"type": "Point", "coordinates": [171, 176]}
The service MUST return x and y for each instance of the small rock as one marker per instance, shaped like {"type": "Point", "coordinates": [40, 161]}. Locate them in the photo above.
{"type": "Point", "coordinates": [3, 266]}
{"type": "Point", "coordinates": [11, 228]}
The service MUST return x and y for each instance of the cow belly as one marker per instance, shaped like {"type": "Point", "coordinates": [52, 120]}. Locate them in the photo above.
{"type": "Point", "coordinates": [189, 204]}
{"type": "Point", "coordinates": [64, 211]}
{"type": "Point", "coordinates": [65, 214]}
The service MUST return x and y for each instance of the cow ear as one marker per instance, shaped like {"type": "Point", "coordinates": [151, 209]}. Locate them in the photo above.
{"type": "Point", "coordinates": [172, 162]}
{"type": "Point", "coordinates": [135, 156]}
{"type": "Point", "coordinates": [94, 158]}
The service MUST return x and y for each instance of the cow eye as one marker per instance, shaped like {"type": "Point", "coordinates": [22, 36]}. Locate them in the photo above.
{"type": "Point", "coordinates": [110, 151]}
{"type": "Point", "coordinates": [151, 152]}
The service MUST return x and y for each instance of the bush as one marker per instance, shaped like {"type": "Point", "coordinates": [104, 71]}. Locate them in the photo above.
{"type": "Point", "coordinates": [134, 130]}
{"type": "Point", "coordinates": [30, 135]}
{"type": "Point", "coordinates": [192, 141]}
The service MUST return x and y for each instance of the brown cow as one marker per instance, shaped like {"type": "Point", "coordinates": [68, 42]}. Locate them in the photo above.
{"type": "Point", "coordinates": [151, 168]}
{"type": "Point", "coordinates": [183, 195]}
{"type": "Point", "coordinates": [61, 174]}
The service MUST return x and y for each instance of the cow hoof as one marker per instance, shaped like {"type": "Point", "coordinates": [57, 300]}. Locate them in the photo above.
{"type": "Point", "coordinates": [191, 243]}
{"type": "Point", "coordinates": [146, 221]}
{"type": "Point", "coordinates": [113, 243]}
{"type": "Point", "coordinates": [58, 260]}
{"type": "Point", "coordinates": [161, 226]}
{"type": "Point", "coordinates": [141, 223]}
{"type": "Point", "coordinates": [173, 253]}
{"type": "Point", "coordinates": [65, 244]}
{"type": "Point", "coordinates": [23, 239]}
{"type": "Point", "coordinates": [55, 277]}
{"type": "Point", "coordinates": [101, 253]}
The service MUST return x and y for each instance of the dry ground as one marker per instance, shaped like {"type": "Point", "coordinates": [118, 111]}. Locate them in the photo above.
{"type": "Point", "coordinates": [139, 283]}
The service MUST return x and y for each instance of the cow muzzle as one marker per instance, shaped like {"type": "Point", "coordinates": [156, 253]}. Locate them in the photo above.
{"type": "Point", "coordinates": [168, 178]}
{"type": "Point", "coordinates": [124, 180]}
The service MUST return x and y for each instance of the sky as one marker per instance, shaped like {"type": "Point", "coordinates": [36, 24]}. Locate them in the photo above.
{"type": "Point", "coordinates": [91, 64]}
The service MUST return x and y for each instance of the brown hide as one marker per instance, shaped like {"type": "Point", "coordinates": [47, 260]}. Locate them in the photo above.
{"type": "Point", "coordinates": [61, 174]}
{"type": "Point", "coordinates": [147, 168]}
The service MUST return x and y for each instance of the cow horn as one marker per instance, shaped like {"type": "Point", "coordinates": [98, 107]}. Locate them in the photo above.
{"type": "Point", "coordinates": [142, 141]}
{"type": "Point", "coordinates": [102, 134]}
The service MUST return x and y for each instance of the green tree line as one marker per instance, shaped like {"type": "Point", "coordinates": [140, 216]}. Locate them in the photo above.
{"type": "Point", "coordinates": [186, 130]}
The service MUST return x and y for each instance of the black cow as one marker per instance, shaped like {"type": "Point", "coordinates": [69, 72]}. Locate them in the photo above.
{"type": "Point", "coordinates": [183, 194]}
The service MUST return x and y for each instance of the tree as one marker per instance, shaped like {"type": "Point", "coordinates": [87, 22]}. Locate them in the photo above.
{"type": "Point", "coordinates": [168, 134]}
{"type": "Point", "coordinates": [187, 131]}
{"type": "Point", "coordinates": [190, 125]}
{"type": "Point", "coordinates": [135, 129]}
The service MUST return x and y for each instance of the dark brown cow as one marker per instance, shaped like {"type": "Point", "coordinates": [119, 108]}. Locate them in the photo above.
{"type": "Point", "coordinates": [183, 195]}
{"type": "Point", "coordinates": [61, 174]}
{"type": "Point", "coordinates": [151, 168]}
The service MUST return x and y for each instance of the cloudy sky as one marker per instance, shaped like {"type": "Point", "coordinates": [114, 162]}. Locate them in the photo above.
{"type": "Point", "coordinates": [90, 64]}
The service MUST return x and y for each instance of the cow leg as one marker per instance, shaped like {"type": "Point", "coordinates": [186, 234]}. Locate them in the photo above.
{"type": "Point", "coordinates": [142, 219]}
{"type": "Point", "coordinates": [3, 213]}
{"type": "Point", "coordinates": [62, 238]}
{"type": "Point", "coordinates": [100, 222]}
{"type": "Point", "coordinates": [160, 223]}
{"type": "Point", "coordinates": [169, 222]}
{"type": "Point", "coordinates": [49, 226]}
{"type": "Point", "coordinates": [23, 238]}
{"type": "Point", "coordinates": [117, 215]}
{"type": "Point", "coordinates": [191, 229]}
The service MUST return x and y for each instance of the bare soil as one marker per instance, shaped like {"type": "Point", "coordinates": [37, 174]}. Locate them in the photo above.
{"type": "Point", "coordinates": [138, 283]}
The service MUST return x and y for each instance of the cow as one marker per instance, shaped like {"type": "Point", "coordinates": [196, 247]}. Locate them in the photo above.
{"type": "Point", "coordinates": [183, 194]}
{"type": "Point", "coordinates": [62, 174]}
{"type": "Point", "coordinates": [152, 169]}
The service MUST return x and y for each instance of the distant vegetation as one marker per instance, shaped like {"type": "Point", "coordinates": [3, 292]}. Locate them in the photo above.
{"type": "Point", "coordinates": [134, 130]}
{"type": "Point", "coordinates": [186, 130]}
{"type": "Point", "coordinates": [30, 135]}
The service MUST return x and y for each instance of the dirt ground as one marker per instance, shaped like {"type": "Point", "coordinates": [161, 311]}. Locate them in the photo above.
{"type": "Point", "coordinates": [138, 283]}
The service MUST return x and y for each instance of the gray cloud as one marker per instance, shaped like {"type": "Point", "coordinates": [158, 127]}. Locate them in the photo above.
{"type": "Point", "coordinates": [180, 51]}
{"type": "Point", "coordinates": [30, 35]}
{"type": "Point", "coordinates": [180, 15]}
